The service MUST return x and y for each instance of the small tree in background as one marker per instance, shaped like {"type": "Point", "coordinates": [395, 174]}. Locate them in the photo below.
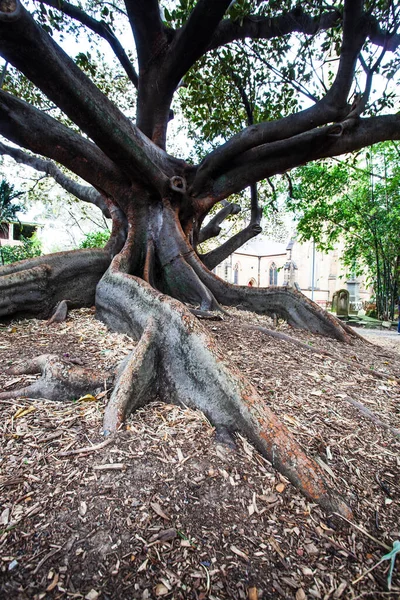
{"type": "Point", "coordinates": [357, 203]}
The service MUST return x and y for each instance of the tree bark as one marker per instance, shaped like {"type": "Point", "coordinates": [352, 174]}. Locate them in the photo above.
{"type": "Point", "coordinates": [190, 370]}
{"type": "Point", "coordinates": [35, 286]}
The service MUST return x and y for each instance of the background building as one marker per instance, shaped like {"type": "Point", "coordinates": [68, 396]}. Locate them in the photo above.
{"type": "Point", "coordinates": [262, 263]}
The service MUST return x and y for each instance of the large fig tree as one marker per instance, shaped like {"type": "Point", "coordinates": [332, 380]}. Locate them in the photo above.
{"type": "Point", "coordinates": [150, 277]}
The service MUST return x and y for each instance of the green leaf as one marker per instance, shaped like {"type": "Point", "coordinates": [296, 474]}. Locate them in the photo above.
{"type": "Point", "coordinates": [392, 557]}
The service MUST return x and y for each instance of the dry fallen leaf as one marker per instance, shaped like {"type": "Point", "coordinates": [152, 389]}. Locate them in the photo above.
{"type": "Point", "coordinates": [22, 412]}
{"type": "Point", "coordinates": [161, 590]}
{"type": "Point", "coordinates": [87, 398]}
{"type": "Point", "coordinates": [280, 487]}
{"type": "Point", "coordinates": [53, 584]}
{"type": "Point", "coordinates": [159, 511]}
{"type": "Point", "coordinates": [239, 553]}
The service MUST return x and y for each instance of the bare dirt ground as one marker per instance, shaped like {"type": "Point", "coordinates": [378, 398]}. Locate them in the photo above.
{"type": "Point", "coordinates": [163, 509]}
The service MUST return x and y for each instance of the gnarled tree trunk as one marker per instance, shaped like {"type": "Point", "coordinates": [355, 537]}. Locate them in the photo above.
{"type": "Point", "coordinates": [176, 358]}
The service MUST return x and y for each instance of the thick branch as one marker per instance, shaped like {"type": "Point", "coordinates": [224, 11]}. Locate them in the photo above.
{"type": "Point", "coordinates": [83, 192]}
{"type": "Point", "coordinates": [215, 257]}
{"type": "Point", "coordinates": [390, 41]}
{"type": "Point", "coordinates": [296, 20]}
{"type": "Point", "coordinates": [270, 159]}
{"type": "Point", "coordinates": [64, 83]}
{"type": "Point", "coordinates": [212, 228]}
{"type": "Point", "coordinates": [333, 107]}
{"type": "Point", "coordinates": [193, 39]}
{"type": "Point", "coordinates": [147, 27]}
{"type": "Point", "coordinates": [102, 29]}
{"type": "Point", "coordinates": [34, 130]}
{"type": "Point", "coordinates": [256, 27]}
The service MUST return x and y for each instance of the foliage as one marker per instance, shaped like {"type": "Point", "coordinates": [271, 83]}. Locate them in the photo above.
{"type": "Point", "coordinates": [8, 208]}
{"type": "Point", "coordinates": [29, 248]}
{"type": "Point", "coordinates": [95, 239]}
{"type": "Point", "coordinates": [357, 203]}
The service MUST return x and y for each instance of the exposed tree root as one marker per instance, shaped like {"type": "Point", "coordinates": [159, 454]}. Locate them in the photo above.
{"type": "Point", "coordinates": [60, 380]}
{"type": "Point", "coordinates": [289, 304]}
{"type": "Point", "coordinates": [189, 369]}
{"type": "Point", "coordinates": [294, 342]}
{"type": "Point", "coordinates": [60, 313]}
{"type": "Point", "coordinates": [136, 380]}
{"type": "Point", "coordinates": [35, 286]}
{"type": "Point", "coordinates": [368, 414]}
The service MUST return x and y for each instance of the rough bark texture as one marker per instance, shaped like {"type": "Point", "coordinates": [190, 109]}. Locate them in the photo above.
{"type": "Point", "coordinates": [35, 286]}
{"type": "Point", "coordinates": [191, 370]}
{"type": "Point", "coordinates": [60, 380]}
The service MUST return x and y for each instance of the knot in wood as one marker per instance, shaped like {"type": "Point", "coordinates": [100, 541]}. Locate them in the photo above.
{"type": "Point", "coordinates": [178, 184]}
{"type": "Point", "coordinates": [10, 10]}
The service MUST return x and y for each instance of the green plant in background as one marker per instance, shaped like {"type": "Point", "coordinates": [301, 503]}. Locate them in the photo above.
{"type": "Point", "coordinates": [357, 203]}
{"type": "Point", "coordinates": [95, 239]}
{"type": "Point", "coordinates": [28, 248]}
{"type": "Point", "coordinates": [8, 208]}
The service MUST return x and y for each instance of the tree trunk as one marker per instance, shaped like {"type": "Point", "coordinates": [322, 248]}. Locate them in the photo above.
{"type": "Point", "coordinates": [176, 358]}
{"type": "Point", "coordinates": [178, 361]}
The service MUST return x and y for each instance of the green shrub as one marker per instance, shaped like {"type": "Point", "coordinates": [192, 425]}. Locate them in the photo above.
{"type": "Point", "coordinates": [27, 249]}
{"type": "Point", "coordinates": [96, 239]}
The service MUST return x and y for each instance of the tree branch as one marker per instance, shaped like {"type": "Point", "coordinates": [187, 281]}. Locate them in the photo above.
{"type": "Point", "coordinates": [378, 37]}
{"type": "Point", "coordinates": [296, 20]}
{"type": "Point", "coordinates": [256, 27]}
{"type": "Point", "coordinates": [270, 159]}
{"type": "Point", "coordinates": [212, 228]}
{"type": "Point", "coordinates": [193, 39]}
{"type": "Point", "coordinates": [32, 129]}
{"type": "Point", "coordinates": [102, 29]}
{"type": "Point", "coordinates": [215, 257]}
{"type": "Point", "coordinates": [73, 92]}
{"type": "Point", "coordinates": [148, 29]}
{"type": "Point", "coordinates": [83, 192]}
{"type": "Point", "coordinates": [333, 107]}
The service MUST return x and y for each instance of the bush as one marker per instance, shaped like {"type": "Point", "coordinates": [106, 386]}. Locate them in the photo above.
{"type": "Point", "coordinates": [96, 239]}
{"type": "Point", "coordinates": [27, 249]}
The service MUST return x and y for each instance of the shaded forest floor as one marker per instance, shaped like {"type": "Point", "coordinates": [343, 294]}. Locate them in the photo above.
{"type": "Point", "coordinates": [163, 509]}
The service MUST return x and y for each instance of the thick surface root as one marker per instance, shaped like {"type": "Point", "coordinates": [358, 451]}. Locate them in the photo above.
{"type": "Point", "coordinates": [190, 370]}
{"type": "Point", "coordinates": [60, 380]}
{"type": "Point", "coordinates": [136, 381]}
{"type": "Point", "coordinates": [35, 286]}
{"type": "Point", "coordinates": [285, 302]}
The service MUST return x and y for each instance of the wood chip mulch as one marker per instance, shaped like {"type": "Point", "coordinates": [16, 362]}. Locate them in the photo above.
{"type": "Point", "coordinates": [162, 509]}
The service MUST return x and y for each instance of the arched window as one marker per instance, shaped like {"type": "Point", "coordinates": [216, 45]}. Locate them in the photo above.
{"type": "Point", "coordinates": [236, 274]}
{"type": "Point", "coordinates": [226, 271]}
{"type": "Point", "coordinates": [252, 282]}
{"type": "Point", "coordinates": [273, 275]}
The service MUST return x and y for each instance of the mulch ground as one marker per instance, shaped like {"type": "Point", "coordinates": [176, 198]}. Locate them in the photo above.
{"type": "Point", "coordinates": [163, 509]}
